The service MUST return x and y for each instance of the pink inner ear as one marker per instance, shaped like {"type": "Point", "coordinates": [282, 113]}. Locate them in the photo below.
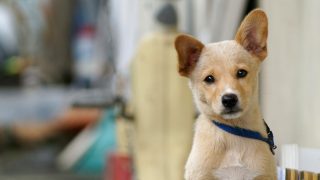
{"type": "Point", "coordinates": [252, 43]}
{"type": "Point", "coordinates": [193, 56]}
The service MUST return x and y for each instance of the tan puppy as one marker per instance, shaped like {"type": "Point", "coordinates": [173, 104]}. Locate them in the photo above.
{"type": "Point", "coordinates": [224, 82]}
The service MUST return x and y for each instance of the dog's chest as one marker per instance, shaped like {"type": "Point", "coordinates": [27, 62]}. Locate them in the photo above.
{"type": "Point", "coordinates": [234, 164]}
{"type": "Point", "coordinates": [234, 167]}
{"type": "Point", "coordinates": [232, 158]}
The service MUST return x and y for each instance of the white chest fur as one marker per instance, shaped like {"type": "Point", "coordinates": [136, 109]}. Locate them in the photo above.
{"type": "Point", "coordinates": [235, 173]}
{"type": "Point", "coordinates": [233, 167]}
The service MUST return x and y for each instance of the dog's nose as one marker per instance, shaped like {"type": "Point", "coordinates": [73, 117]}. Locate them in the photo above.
{"type": "Point", "coordinates": [229, 100]}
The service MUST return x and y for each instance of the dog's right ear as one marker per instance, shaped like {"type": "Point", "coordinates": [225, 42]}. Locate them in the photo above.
{"type": "Point", "coordinates": [253, 33]}
{"type": "Point", "coordinates": [189, 50]}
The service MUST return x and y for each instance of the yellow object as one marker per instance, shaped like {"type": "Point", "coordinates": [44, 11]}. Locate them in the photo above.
{"type": "Point", "coordinates": [163, 110]}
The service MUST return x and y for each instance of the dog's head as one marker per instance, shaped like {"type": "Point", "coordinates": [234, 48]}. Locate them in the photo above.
{"type": "Point", "coordinates": [224, 75]}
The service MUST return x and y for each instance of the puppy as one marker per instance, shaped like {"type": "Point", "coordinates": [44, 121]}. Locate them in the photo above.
{"type": "Point", "coordinates": [224, 82]}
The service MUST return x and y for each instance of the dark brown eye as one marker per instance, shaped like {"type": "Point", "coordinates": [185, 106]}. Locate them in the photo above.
{"type": "Point", "coordinates": [242, 73]}
{"type": "Point", "coordinates": [209, 79]}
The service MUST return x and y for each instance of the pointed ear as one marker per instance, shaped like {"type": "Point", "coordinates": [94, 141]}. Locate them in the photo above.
{"type": "Point", "coordinates": [253, 32]}
{"type": "Point", "coordinates": [189, 50]}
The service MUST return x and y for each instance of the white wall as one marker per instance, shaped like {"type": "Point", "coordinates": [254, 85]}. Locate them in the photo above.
{"type": "Point", "coordinates": [291, 74]}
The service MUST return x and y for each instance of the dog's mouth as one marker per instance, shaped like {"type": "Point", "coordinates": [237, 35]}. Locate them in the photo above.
{"type": "Point", "coordinates": [231, 111]}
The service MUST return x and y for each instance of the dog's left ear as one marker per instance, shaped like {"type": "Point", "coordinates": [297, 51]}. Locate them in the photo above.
{"type": "Point", "coordinates": [189, 50]}
{"type": "Point", "coordinates": [253, 32]}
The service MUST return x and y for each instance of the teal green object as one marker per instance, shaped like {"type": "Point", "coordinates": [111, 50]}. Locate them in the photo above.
{"type": "Point", "coordinates": [94, 160]}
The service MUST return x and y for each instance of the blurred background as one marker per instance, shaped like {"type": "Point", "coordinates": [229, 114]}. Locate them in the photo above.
{"type": "Point", "coordinates": [89, 88]}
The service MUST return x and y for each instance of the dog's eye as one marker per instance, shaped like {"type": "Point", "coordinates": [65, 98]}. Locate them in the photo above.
{"type": "Point", "coordinates": [242, 73]}
{"type": "Point", "coordinates": [209, 79]}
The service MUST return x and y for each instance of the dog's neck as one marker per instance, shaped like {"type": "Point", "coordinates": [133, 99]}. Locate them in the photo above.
{"type": "Point", "coordinates": [252, 119]}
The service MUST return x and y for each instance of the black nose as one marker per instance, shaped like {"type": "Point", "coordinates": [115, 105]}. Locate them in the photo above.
{"type": "Point", "coordinates": [229, 100]}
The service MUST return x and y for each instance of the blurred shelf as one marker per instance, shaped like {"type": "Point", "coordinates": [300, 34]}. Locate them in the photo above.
{"type": "Point", "coordinates": [50, 177]}
{"type": "Point", "coordinates": [47, 102]}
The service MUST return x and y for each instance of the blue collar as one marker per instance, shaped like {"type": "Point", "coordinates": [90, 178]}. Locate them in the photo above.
{"type": "Point", "coordinates": [248, 133]}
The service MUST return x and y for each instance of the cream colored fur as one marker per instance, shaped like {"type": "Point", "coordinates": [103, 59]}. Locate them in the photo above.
{"type": "Point", "coordinates": [216, 154]}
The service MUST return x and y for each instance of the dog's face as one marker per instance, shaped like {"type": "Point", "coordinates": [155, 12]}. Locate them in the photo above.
{"type": "Point", "coordinates": [224, 75]}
